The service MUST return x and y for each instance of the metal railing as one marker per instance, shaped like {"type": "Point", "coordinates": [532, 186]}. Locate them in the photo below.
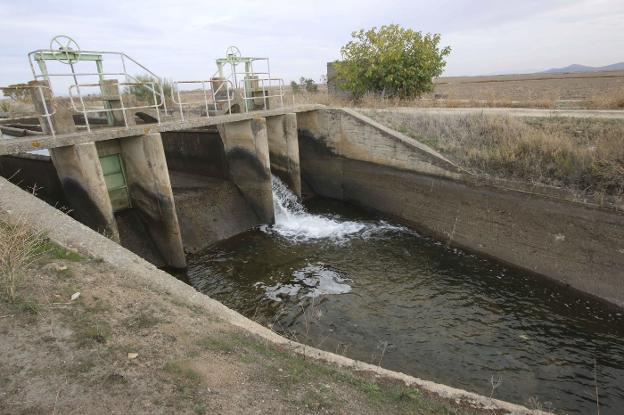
{"type": "Point", "coordinates": [211, 95]}
{"type": "Point", "coordinates": [122, 108]}
{"type": "Point", "coordinates": [46, 110]}
{"type": "Point", "coordinates": [249, 89]}
{"type": "Point", "coordinates": [75, 56]}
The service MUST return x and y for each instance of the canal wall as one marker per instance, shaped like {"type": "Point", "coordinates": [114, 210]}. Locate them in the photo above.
{"type": "Point", "coordinates": [209, 206]}
{"type": "Point", "coordinates": [347, 156]}
{"type": "Point", "coordinates": [199, 152]}
{"type": "Point", "coordinates": [33, 171]}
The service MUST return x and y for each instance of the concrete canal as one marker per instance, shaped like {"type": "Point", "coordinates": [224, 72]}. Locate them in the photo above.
{"type": "Point", "coordinates": [335, 277]}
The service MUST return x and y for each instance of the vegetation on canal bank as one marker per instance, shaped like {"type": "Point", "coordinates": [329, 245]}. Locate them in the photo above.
{"type": "Point", "coordinates": [585, 155]}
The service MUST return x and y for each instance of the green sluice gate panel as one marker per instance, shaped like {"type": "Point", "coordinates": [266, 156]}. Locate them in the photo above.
{"type": "Point", "coordinates": [115, 179]}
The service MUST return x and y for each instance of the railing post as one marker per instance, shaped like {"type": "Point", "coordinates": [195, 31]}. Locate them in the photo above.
{"type": "Point", "coordinates": [54, 119]}
{"type": "Point", "coordinates": [115, 111]}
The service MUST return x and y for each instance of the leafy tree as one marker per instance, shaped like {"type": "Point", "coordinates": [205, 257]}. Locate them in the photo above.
{"type": "Point", "coordinates": [304, 83]}
{"type": "Point", "coordinates": [295, 87]}
{"type": "Point", "coordinates": [308, 84]}
{"type": "Point", "coordinates": [391, 60]}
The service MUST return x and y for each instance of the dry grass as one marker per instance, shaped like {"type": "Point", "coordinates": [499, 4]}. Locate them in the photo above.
{"type": "Point", "coordinates": [582, 154]}
{"type": "Point", "coordinates": [608, 100]}
{"type": "Point", "coordinates": [611, 100]}
{"type": "Point", "coordinates": [375, 101]}
{"type": "Point", "coordinates": [20, 247]}
{"type": "Point", "coordinates": [5, 105]}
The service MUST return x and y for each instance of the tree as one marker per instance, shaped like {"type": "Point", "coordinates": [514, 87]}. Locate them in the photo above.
{"type": "Point", "coordinates": [392, 60]}
{"type": "Point", "coordinates": [295, 87]}
{"type": "Point", "coordinates": [308, 84]}
{"type": "Point", "coordinates": [17, 92]}
{"type": "Point", "coordinates": [304, 83]}
{"type": "Point", "coordinates": [145, 86]}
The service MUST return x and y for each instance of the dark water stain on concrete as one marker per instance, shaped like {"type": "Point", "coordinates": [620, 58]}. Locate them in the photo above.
{"type": "Point", "coordinates": [83, 207]}
{"type": "Point", "coordinates": [244, 163]}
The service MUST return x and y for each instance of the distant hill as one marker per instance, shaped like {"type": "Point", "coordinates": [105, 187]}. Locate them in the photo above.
{"type": "Point", "coordinates": [575, 68]}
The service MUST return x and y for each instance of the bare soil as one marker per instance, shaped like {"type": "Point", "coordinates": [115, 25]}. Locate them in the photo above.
{"type": "Point", "coordinates": [123, 347]}
{"type": "Point", "coordinates": [585, 86]}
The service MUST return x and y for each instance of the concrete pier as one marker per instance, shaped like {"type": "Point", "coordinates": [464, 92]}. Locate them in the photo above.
{"type": "Point", "coordinates": [247, 154]}
{"type": "Point", "coordinates": [284, 150]}
{"type": "Point", "coordinates": [77, 166]}
{"type": "Point", "coordinates": [150, 192]}
{"type": "Point", "coordinates": [79, 170]}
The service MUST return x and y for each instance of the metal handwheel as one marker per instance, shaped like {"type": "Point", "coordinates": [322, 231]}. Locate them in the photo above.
{"type": "Point", "coordinates": [232, 52]}
{"type": "Point", "coordinates": [65, 49]}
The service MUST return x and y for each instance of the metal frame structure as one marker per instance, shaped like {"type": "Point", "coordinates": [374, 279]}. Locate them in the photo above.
{"type": "Point", "coordinates": [234, 58]}
{"type": "Point", "coordinates": [210, 94]}
{"type": "Point", "coordinates": [265, 89]}
{"type": "Point", "coordinates": [123, 109]}
{"type": "Point", "coordinates": [69, 53]}
{"type": "Point", "coordinates": [223, 89]}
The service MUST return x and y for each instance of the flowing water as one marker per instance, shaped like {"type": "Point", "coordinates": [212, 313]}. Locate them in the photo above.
{"type": "Point", "coordinates": [336, 278]}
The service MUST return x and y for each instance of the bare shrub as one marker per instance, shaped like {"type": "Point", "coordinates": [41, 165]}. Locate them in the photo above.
{"type": "Point", "coordinates": [20, 247]}
{"type": "Point", "coordinates": [5, 105]}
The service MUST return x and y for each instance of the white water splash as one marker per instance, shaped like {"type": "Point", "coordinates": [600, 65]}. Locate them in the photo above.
{"type": "Point", "coordinates": [294, 223]}
{"type": "Point", "coordinates": [309, 281]}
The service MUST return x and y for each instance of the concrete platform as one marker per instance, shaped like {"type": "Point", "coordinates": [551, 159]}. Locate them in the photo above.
{"type": "Point", "coordinates": [25, 144]}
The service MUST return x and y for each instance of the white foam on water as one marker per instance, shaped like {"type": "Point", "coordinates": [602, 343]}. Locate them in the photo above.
{"type": "Point", "coordinates": [309, 281]}
{"type": "Point", "coordinates": [320, 280]}
{"type": "Point", "coordinates": [293, 222]}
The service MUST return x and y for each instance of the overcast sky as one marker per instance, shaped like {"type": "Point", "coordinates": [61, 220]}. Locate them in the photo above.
{"type": "Point", "coordinates": [181, 39]}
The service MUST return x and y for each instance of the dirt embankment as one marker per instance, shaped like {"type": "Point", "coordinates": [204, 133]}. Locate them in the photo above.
{"type": "Point", "coordinates": [125, 347]}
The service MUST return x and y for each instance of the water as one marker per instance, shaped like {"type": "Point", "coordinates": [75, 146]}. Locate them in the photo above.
{"type": "Point", "coordinates": [347, 282]}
